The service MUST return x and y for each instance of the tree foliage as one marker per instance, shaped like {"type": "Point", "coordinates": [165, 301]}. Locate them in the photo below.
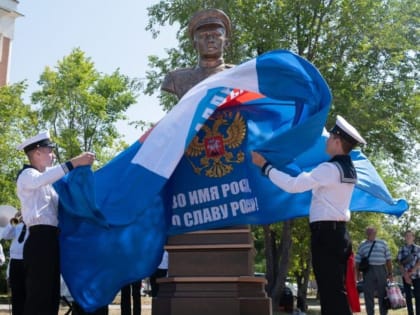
{"type": "Point", "coordinates": [81, 106]}
{"type": "Point", "coordinates": [17, 121]}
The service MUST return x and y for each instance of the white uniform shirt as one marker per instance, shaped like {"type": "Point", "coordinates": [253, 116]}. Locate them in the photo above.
{"type": "Point", "coordinates": [39, 200]}
{"type": "Point", "coordinates": [12, 232]}
{"type": "Point", "coordinates": [2, 257]}
{"type": "Point", "coordinates": [330, 197]}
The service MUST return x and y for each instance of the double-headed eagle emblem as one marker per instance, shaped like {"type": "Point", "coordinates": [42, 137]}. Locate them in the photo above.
{"type": "Point", "coordinates": [217, 145]}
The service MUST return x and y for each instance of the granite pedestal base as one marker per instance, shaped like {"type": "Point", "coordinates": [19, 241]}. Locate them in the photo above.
{"type": "Point", "coordinates": [211, 296]}
{"type": "Point", "coordinates": [211, 273]}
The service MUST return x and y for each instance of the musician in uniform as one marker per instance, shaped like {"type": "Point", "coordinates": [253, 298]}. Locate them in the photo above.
{"type": "Point", "coordinates": [39, 206]}
{"type": "Point", "coordinates": [16, 231]}
{"type": "Point", "coordinates": [209, 31]}
{"type": "Point", "coordinates": [332, 184]}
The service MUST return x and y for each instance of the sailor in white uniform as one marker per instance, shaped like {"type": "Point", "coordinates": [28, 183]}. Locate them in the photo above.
{"type": "Point", "coordinates": [39, 206]}
{"type": "Point", "coordinates": [332, 185]}
{"type": "Point", "coordinates": [16, 232]}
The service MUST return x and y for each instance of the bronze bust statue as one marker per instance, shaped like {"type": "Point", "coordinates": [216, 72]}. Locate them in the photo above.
{"type": "Point", "coordinates": [209, 30]}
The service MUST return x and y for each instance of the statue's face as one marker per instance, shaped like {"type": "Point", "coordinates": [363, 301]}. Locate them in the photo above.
{"type": "Point", "coordinates": [210, 41]}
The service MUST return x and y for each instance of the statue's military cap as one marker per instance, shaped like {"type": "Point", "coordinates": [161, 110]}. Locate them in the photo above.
{"type": "Point", "coordinates": [209, 17]}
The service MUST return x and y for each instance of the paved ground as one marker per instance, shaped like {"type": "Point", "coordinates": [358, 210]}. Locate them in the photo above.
{"type": "Point", "coordinates": [114, 309]}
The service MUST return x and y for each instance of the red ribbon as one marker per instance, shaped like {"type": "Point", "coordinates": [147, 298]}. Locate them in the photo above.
{"type": "Point", "coordinates": [352, 293]}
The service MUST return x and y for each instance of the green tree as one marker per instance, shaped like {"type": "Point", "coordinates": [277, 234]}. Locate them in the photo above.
{"type": "Point", "coordinates": [366, 49]}
{"type": "Point", "coordinates": [17, 121]}
{"type": "Point", "coordinates": [80, 106]}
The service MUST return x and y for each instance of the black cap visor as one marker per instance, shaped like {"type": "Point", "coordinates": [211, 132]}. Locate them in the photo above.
{"type": "Point", "coordinates": [43, 143]}
{"type": "Point", "coordinates": [340, 132]}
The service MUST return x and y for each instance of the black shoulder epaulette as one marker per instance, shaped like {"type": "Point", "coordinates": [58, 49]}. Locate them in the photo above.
{"type": "Point", "coordinates": [347, 170]}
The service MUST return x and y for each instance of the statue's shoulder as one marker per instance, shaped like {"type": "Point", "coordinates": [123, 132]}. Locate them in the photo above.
{"type": "Point", "coordinates": [178, 81]}
{"type": "Point", "coordinates": [180, 72]}
{"type": "Point", "coordinates": [175, 76]}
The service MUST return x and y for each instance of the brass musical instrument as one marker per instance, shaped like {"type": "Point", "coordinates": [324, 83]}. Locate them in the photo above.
{"type": "Point", "coordinates": [16, 219]}
{"type": "Point", "coordinates": [7, 212]}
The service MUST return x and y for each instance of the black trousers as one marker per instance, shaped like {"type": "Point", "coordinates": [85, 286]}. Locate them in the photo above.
{"type": "Point", "coordinates": [331, 247]}
{"type": "Point", "coordinates": [42, 271]}
{"type": "Point", "coordinates": [159, 273]}
{"type": "Point", "coordinates": [409, 289]}
{"type": "Point", "coordinates": [131, 290]}
{"type": "Point", "coordinates": [17, 285]}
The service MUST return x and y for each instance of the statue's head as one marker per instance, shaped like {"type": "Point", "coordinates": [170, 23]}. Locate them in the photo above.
{"type": "Point", "coordinates": [209, 31]}
{"type": "Point", "coordinates": [207, 17]}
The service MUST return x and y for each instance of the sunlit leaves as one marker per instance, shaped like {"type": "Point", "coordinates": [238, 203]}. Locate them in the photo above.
{"type": "Point", "coordinates": [81, 106]}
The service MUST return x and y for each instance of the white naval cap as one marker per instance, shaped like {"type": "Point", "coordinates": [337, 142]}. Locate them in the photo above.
{"type": "Point", "coordinates": [42, 139]}
{"type": "Point", "coordinates": [347, 131]}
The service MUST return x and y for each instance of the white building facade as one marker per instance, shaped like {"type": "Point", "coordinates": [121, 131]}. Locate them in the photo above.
{"type": "Point", "coordinates": [8, 15]}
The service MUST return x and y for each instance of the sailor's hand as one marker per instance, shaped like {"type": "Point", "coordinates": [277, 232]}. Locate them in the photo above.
{"type": "Point", "coordinates": [258, 159]}
{"type": "Point", "coordinates": [86, 158]}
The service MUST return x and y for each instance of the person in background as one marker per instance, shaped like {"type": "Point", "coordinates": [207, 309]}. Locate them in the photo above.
{"type": "Point", "coordinates": [409, 263]}
{"type": "Point", "coordinates": [160, 272]}
{"type": "Point", "coordinates": [379, 272]}
{"type": "Point", "coordinates": [39, 206]}
{"type": "Point", "coordinates": [17, 232]}
{"type": "Point", "coordinates": [129, 291]}
{"type": "Point", "coordinates": [332, 184]}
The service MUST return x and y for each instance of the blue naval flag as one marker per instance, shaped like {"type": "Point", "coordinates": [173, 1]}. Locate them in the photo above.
{"type": "Point", "coordinates": [193, 171]}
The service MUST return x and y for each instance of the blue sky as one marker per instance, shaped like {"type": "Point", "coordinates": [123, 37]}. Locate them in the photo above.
{"type": "Point", "coordinates": [111, 33]}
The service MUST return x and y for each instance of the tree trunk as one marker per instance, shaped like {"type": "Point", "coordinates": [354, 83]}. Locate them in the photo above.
{"type": "Point", "coordinates": [302, 282]}
{"type": "Point", "coordinates": [270, 254]}
{"type": "Point", "coordinates": [283, 262]}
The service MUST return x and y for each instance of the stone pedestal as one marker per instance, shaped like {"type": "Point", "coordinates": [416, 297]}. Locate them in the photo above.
{"type": "Point", "coordinates": [211, 273]}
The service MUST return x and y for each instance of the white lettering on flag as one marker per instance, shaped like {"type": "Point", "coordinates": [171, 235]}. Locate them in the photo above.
{"type": "Point", "coordinates": [211, 213]}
